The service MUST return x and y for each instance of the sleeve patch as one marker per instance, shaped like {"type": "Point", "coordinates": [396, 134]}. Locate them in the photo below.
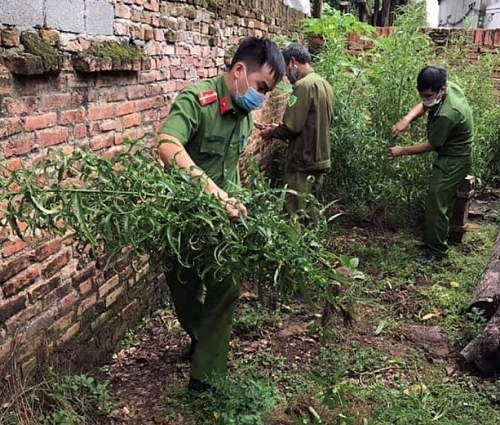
{"type": "Point", "coordinates": [207, 97]}
{"type": "Point", "coordinates": [292, 100]}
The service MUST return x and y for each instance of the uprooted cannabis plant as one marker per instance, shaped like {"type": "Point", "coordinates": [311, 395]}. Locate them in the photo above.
{"type": "Point", "coordinates": [130, 206]}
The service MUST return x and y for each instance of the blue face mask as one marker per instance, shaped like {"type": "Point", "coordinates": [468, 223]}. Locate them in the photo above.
{"type": "Point", "coordinates": [251, 100]}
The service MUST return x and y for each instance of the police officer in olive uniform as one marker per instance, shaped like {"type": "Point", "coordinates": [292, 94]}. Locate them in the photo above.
{"type": "Point", "coordinates": [306, 125]}
{"type": "Point", "coordinates": [205, 133]}
{"type": "Point", "coordinates": [450, 133]}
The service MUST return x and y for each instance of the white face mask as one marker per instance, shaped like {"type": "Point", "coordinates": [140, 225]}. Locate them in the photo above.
{"type": "Point", "coordinates": [432, 102]}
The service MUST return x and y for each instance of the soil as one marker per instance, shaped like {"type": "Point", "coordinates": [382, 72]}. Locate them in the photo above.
{"type": "Point", "coordinates": [143, 375]}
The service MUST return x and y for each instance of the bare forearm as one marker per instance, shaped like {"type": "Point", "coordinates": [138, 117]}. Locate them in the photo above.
{"type": "Point", "coordinates": [416, 112]}
{"type": "Point", "coordinates": [417, 149]}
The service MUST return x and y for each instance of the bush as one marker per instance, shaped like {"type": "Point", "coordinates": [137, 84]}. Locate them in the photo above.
{"type": "Point", "coordinates": [373, 90]}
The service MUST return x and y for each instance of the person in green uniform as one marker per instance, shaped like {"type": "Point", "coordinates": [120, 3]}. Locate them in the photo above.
{"type": "Point", "coordinates": [306, 125]}
{"type": "Point", "coordinates": [450, 133]}
{"type": "Point", "coordinates": [205, 133]}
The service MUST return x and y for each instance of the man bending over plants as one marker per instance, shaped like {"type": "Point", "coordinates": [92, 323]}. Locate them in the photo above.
{"type": "Point", "coordinates": [205, 133]}
{"type": "Point", "coordinates": [306, 125]}
{"type": "Point", "coordinates": [450, 134]}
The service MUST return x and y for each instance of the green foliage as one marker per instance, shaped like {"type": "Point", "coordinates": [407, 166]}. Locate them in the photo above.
{"type": "Point", "coordinates": [131, 206]}
{"type": "Point", "coordinates": [373, 90]}
{"type": "Point", "coordinates": [70, 400]}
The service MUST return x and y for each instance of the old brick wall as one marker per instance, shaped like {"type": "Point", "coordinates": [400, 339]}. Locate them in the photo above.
{"type": "Point", "coordinates": [49, 295]}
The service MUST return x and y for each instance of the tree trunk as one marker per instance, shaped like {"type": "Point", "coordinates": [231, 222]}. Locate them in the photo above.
{"type": "Point", "coordinates": [382, 14]}
{"type": "Point", "coordinates": [486, 297]}
{"type": "Point", "coordinates": [484, 350]}
{"type": "Point", "coordinates": [316, 8]}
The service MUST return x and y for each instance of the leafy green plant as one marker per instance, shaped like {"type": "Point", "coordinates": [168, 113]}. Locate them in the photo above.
{"type": "Point", "coordinates": [69, 400]}
{"type": "Point", "coordinates": [374, 88]}
{"type": "Point", "coordinates": [130, 206]}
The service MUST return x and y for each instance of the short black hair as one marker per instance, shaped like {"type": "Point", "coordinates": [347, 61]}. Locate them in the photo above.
{"type": "Point", "coordinates": [255, 52]}
{"type": "Point", "coordinates": [431, 78]}
{"type": "Point", "coordinates": [297, 51]}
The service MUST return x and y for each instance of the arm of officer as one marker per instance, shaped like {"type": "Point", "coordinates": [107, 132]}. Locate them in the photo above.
{"type": "Point", "coordinates": [401, 126]}
{"type": "Point", "coordinates": [396, 151]}
{"type": "Point", "coordinates": [296, 114]}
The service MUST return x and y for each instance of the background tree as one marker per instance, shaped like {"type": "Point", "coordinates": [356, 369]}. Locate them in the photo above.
{"type": "Point", "coordinates": [379, 13]}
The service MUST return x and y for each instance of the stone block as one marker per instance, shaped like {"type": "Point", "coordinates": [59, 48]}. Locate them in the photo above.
{"type": "Point", "coordinates": [66, 15]}
{"type": "Point", "coordinates": [24, 12]}
{"type": "Point", "coordinates": [99, 18]}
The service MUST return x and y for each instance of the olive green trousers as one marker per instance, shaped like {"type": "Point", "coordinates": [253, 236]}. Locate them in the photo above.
{"type": "Point", "coordinates": [307, 182]}
{"type": "Point", "coordinates": [205, 309]}
{"type": "Point", "coordinates": [447, 174]}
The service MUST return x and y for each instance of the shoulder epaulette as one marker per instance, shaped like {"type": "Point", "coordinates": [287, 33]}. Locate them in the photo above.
{"type": "Point", "coordinates": [207, 97]}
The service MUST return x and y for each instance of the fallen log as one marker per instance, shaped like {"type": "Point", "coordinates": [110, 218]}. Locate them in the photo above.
{"type": "Point", "coordinates": [484, 350]}
{"type": "Point", "coordinates": [486, 297]}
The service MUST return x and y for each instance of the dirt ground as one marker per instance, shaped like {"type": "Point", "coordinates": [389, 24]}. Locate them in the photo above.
{"type": "Point", "coordinates": [156, 364]}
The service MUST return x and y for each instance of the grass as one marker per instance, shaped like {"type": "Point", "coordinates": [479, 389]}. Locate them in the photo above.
{"type": "Point", "coordinates": [370, 373]}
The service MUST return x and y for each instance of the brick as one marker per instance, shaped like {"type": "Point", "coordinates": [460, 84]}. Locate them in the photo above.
{"type": "Point", "coordinates": [141, 105]}
{"type": "Point", "coordinates": [136, 92]}
{"type": "Point", "coordinates": [86, 304]}
{"type": "Point", "coordinates": [70, 333]}
{"type": "Point", "coordinates": [40, 121]}
{"type": "Point", "coordinates": [55, 101]}
{"type": "Point", "coordinates": [111, 298]}
{"type": "Point", "coordinates": [55, 265]}
{"type": "Point", "coordinates": [80, 131]}
{"type": "Point", "coordinates": [125, 108]}
{"type": "Point", "coordinates": [102, 112]}
{"type": "Point", "coordinates": [6, 348]}
{"type": "Point", "coordinates": [43, 288]}
{"type": "Point", "coordinates": [16, 245]}
{"type": "Point", "coordinates": [11, 37]}
{"type": "Point", "coordinates": [29, 312]}
{"type": "Point", "coordinates": [108, 125]}
{"type": "Point", "coordinates": [131, 120]}
{"type": "Point", "coordinates": [68, 302]}
{"type": "Point", "coordinates": [11, 307]}
{"type": "Point", "coordinates": [72, 116]}
{"type": "Point", "coordinates": [61, 324]}
{"type": "Point", "coordinates": [101, 320]}
{"type": "Point", "coordinates": [21, 280]}
{"type": "Point", "coordinates": [122, 11]}
{"type": "Point", "coordinates": [55, 296]}
{"type": "Point", "coordinates": [20, 106]}
{"type": "Point", "coordinates": [10, 126]}
{"type": "Point", "coordinates": [47, 249]}
{"type": "Point", "coordinates": [19, 146]}
{"type": "Point", "coordinates": [51, 37]}
{"type": "Point", "coordinates": [41, 322]}
{"type": "Point", "coordinates": [51, 137]}
{"type": "Point", "coordinates": [108, 286]}
{"type": "Point", "coordinates": [102, 141]}
{"type": "Point", "coordinates": [13, 267]}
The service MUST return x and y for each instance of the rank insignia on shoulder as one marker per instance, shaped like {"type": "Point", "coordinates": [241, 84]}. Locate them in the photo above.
{"type": "Point", "coordinates": [207, 97]}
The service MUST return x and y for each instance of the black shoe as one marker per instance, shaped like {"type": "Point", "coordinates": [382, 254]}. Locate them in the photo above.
{"type": "Point", "coordinates": [198, 387]}
{"type": "Point", "coordinates": [428, 259]}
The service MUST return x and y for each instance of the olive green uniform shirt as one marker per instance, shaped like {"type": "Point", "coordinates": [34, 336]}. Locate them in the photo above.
{"type": "Point", "coordinates": [214, 134]}
{"type": "Point", "coordinates": [306, 124]}
{"type": "Point", "coordinates": [450, 128]}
